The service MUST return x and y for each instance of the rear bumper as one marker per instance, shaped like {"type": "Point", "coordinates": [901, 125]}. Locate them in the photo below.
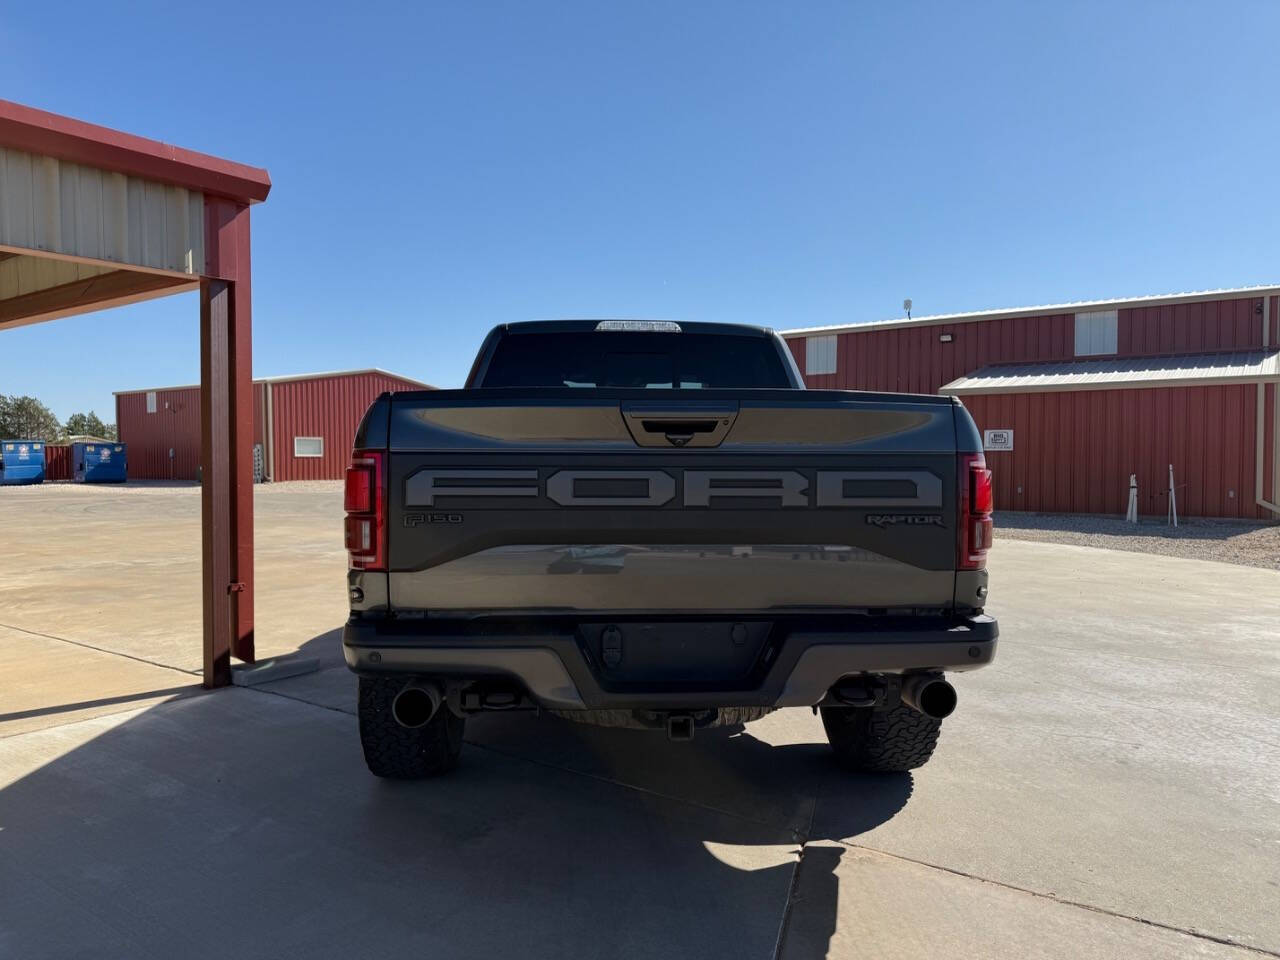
{"type": "Point", "coordinates": [550, 664]}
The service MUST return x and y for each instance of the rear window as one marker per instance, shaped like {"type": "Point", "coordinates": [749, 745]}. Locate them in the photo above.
{"type": "Point", "coordinates": [654, 361]}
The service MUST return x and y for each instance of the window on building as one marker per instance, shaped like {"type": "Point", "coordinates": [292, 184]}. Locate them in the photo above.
{"type": "Point", "coordinates": [1095, 333]}
{"type": "Point", "coordinates": [151, 401]}
{"type": "Point", "coordinates": [820, 354]}
{"type": "Point", "coordinates": [308, 446]}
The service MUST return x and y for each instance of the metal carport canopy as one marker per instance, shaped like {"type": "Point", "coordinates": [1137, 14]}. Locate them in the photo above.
{"type": "Point", "coordinates": [92, 218]}
{"type": "Point", "coordinates": [1119, 373]}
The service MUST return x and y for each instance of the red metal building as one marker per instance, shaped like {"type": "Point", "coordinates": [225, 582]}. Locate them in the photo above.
{"type": "Point", "coordinates": [57, 461]}
{"type": "Point", "coordinates": [303, 426]}
{"type": "Point", "coordinates": [1073, 398]}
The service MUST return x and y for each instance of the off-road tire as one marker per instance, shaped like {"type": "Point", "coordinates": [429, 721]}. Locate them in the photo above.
{"type": "Point", "coordinates": [883, 741]}
{"type": "Point", "coordinates": [397, 752]}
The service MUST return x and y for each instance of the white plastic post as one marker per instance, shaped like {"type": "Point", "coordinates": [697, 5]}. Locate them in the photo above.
{"type": "Point", "coordinates": [1132, 514]}
{"type": "Point", "coordinates": [1173, 499]}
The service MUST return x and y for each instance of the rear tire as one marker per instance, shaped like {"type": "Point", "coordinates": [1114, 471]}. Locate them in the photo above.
{"type": "Point", "coordinates": [400, 753]}
{"type": "Point", "coordinates": [880, 740]}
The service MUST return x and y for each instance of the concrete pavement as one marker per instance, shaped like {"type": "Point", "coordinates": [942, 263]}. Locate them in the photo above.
{"type": "Point", "coordinates": [1109, 788]}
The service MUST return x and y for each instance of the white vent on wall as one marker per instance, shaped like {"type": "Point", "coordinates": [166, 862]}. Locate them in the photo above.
{"type": "Point", "coordinates": [151, 401]}
{"type": "Point", "coordinates": [820, 354]}
{"type": "Point", "coordinates": [1095, 333]}
{"type": "Point", "coordinates": [308, 446]}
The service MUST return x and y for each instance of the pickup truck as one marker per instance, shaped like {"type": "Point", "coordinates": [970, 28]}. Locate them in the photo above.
{"type": "Point", "coordinates": [653, 524]}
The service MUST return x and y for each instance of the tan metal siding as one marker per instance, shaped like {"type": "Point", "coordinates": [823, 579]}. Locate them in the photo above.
{"type": "Point", "coordinates": [72, 210]}
{"type": "Point", "coordinates": [23, 275]}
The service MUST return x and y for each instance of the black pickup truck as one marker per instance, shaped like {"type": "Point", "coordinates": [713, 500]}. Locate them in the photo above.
{"type": "Point", "coordinates": [652, 524]}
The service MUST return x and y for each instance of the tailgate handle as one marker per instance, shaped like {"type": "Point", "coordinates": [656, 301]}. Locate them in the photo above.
{"type": "Point", "coordinates": [653, 426]}
{"type": "Point", "coordinates": [679, 432]}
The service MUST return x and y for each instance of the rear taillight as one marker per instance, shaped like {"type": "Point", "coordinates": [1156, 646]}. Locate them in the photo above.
{"type": "Point", "coordinates": [974, 511]}
{"type": "Point", "coordinates": [365, 503]}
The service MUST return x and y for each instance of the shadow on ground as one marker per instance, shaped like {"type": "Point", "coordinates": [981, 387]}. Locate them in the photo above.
{"type": "Point", "coordinates": [242, 823]}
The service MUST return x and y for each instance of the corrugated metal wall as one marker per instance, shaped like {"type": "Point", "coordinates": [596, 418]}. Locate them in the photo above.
{"type": "Point", "coordinates": [57, 461]}
{"type": "Point", "coordinates": [914, 360]}
{"type": "Point", "coordinates": [328, 407]}
{"type": "Point", "coordinates": [175, 425]}
{"type": "Point", "coordinates": [1073, 452]}
{"type": "Point", "coordinates": [63, 207]}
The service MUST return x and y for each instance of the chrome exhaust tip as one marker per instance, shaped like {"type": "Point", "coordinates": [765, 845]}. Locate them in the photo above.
{"type": "Point", "coordinates": [929, 694]}
{"type": "Point", "coordinates": [416, 704]}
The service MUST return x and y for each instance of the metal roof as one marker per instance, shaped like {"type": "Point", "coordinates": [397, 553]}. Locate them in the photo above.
{"type": "Point", "coordinates": [1076, 306]}
{"type": "Point", "coordinates": [285, 379]}
{"type": "Point", "coordinates": [36, 131]}
{"type": "Point", "coordinates": [1119, 373]}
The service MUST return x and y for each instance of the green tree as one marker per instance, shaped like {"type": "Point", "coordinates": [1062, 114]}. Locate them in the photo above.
{"type": "Point", "coordinates": [88, 424]}
{"type": "Point", "coordinates": [26, 418]}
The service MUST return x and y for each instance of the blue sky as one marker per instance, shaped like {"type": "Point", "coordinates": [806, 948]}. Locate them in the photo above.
{"type": "Point", "coordinates": [440, 168]}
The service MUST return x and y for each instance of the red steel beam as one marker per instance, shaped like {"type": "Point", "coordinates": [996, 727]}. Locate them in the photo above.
{"type": "Point", "coordinates": [226, 414]}
{"type": "Point", "coordinates": [37, 131]}
{"type": "Point", "coordinates": [103, 290]}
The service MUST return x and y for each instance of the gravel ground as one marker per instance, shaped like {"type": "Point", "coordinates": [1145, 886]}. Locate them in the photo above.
{"type": "Point", "coordinates": [1228, 541]}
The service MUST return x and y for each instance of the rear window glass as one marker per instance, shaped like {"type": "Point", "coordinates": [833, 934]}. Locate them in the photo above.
{"type": "Point", "coordinates": [654, 361]}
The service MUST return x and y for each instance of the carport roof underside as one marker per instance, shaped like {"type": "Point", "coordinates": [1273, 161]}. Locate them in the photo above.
{"type": "Point", "coordinates": [1118, 373]}
{"type": "Point", "coordinates": [92, 217]}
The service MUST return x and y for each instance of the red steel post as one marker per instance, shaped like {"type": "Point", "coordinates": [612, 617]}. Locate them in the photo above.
{"type": "Point", "coordinates": [226, 415]}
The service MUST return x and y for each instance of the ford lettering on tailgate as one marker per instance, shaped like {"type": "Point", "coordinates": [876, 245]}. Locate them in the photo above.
{"type": "Point", "coordinates": [903, 489]}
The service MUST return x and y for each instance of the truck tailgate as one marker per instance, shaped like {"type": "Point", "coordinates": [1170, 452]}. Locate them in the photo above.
{"type": "Point", "coordinates": [693, 500]}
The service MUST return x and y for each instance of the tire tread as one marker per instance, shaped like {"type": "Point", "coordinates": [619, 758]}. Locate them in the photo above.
{"type": "Point", "coordinates": [881, 740]}
{"type": "Point", "coordinates": [398, 753]}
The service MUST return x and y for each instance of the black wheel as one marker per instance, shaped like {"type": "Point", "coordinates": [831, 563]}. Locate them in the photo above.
{"type": "Point", "coordinates": [865, 738]}
{"type": "Point", "coordinates": [404, 753]}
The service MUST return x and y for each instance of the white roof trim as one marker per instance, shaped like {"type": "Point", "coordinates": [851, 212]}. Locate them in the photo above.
{"type": "Point", "coordinates": [340, 373]}
{"type": "Point", "coordinates": [1121, 373]}
{"type": "Point", "coordinates": [285, 379]}
{"type": "Point", "coordinates": [1154, 300]}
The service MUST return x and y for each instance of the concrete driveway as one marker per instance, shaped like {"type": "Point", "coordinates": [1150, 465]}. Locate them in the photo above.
{"type": "Point", "coordinates": [1110, 788]}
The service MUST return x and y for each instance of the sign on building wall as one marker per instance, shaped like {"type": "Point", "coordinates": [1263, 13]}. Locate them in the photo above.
{"type": "Point", "coordinates": [997, 439]}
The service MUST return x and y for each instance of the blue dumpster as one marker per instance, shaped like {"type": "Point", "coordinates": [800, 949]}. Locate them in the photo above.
{"type": "Point", "coordinates": [98, 462]}
{"type": "Point", "coordinates": [22, 461]}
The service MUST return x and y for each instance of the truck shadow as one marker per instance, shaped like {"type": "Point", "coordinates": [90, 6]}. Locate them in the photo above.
{"type": "Point", "coordinates": [797, 786]}
{"type": "Point", "coordinates": [771, 782]}
{"type": "Point", "coordinates": [723, 768]}
{"type": "Point", "coordinates": [796, 783]}
{"type": "Point", "coordinates": [237, 823]}
{"type": "Point", "coordinates": [785, 812]}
